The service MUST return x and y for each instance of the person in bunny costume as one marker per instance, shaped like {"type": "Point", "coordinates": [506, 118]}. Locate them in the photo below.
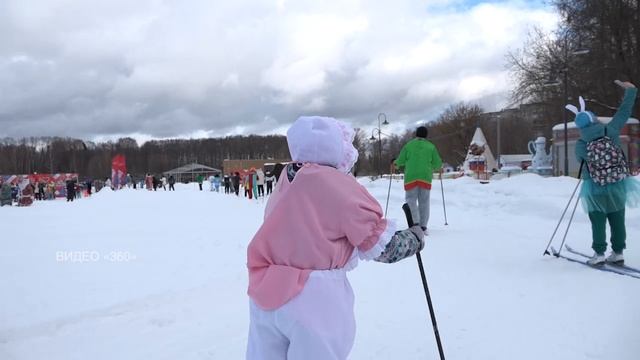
{"type": "Point", "coordinates": [318, 222]}
{"type": "Point", "coordinates": [607, 187]}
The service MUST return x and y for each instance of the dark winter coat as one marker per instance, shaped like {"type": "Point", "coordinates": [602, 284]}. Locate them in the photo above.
{"type": "Point", "coordinates": [5, 194]}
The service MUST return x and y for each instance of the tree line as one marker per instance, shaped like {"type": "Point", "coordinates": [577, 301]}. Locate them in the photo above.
{"type": "Point", "coordinates": [451, 132]}
{"type": "Point", "coordinates": [68, 155]}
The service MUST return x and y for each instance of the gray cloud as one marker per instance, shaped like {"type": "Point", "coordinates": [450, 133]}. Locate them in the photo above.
{"type": "Point", "coordinates": [157, 69]}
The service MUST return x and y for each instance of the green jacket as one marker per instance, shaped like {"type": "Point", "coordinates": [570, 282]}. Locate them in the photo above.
{"type": "Point", "coordinates": [419, 158]}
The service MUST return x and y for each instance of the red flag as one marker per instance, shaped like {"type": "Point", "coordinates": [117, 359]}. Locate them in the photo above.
{"type": "Point", "coordinates": [118, 171]}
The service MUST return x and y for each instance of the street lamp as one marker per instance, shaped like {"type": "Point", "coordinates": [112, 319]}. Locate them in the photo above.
{"type": "Point", "coordinates": [498, 132]}
{"type": "Point", "coordinates": [50, 148]}
{"type": "Point", "coordinates": [380, 133]}
{"type": "Point", "coordinates": [564, 70]}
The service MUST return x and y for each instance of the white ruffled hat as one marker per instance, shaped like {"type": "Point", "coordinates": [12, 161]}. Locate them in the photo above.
{"type": "Point", "coordinates": [322, 140]}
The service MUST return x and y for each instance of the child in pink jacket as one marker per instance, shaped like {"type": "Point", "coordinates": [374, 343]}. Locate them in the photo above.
{"type": "Point", "coordinates": [318, 222]}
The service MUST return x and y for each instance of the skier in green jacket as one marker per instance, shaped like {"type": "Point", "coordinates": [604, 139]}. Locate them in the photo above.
{"type": "Point", "coordinates": [200, 179]}
{"type": "Point", "coordinates": [419, 158]}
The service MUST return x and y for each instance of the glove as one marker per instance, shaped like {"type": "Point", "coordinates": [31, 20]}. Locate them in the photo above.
{"type": "Point", "coordinates": [403, 244]}
{"type": "Point", "coordinates": [625, 84]}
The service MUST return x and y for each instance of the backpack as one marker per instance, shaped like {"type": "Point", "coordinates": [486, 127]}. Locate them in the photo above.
{"type": "Point", "coordinates": [606, 161]}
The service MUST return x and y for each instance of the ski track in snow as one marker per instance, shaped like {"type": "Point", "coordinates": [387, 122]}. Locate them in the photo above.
{"type": "Point", "coordinates": [184, 294]}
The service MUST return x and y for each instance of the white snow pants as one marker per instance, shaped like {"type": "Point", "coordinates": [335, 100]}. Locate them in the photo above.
{"type": "Point", "coordinates": [317, 324]}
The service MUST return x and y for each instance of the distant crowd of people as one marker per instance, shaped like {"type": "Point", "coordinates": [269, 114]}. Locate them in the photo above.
{"type": "Point", "coordinates": [26, 192]}
{"type": "Point", "coordinates": [253, 184]}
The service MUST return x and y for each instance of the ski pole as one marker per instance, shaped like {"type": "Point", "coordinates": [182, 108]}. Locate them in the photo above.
{"type": "Point", "coordinates": [444, 206]}
{"type": "Point", "coordinates": [564, 238]}
{"type": "Point", "coordinates": [389, 191]}
{"type": "Point", "coordinates": [546, 250]}
{"type": "Point", "coordinates": [407, 214]}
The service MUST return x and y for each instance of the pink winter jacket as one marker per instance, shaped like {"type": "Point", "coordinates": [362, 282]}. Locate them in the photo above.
{"type": "Point", "coordinates": [312, 223]}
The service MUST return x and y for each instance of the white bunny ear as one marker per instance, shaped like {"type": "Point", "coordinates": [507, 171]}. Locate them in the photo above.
{"type": "Point", "coordinates": [572, 108]}
{"type": "Point", "coordinates": [582, 104]}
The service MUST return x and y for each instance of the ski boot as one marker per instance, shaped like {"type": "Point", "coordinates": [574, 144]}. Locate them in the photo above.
{"type": "Point", "coordinates": [615, 258]}
{"type": "Point", "coordinates": [596, 260]}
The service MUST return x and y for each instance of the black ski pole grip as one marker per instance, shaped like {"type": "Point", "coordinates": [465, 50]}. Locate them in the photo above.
{"type": "Point", "coordinates": [407, 214]}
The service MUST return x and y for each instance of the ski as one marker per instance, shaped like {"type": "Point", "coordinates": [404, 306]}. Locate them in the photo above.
{"type": "Point", "coordinates": [622, 266]}
{"type": "Point", "coordinates": [605, 267]}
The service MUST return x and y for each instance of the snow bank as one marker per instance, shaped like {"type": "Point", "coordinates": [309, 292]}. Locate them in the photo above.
{"type": "Point", "coordinates": [136, 274]}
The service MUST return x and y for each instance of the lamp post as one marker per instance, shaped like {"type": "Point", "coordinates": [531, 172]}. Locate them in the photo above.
{"type": "Point", "coordinates": [498, 120]}
{"type": "Point", "coordinates": [373, 138]}
{"type": "Point", "coordinates": [50, 148]}
{"type": "Point", "coordinates": [564, 70]}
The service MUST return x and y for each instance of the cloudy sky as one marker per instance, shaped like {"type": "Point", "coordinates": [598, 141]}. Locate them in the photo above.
{"type": "Point", "coordinates": [206, 68]}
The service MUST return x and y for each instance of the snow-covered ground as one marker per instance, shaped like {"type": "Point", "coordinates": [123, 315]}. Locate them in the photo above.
{"type": "Point", "coordinates": [164, 277]}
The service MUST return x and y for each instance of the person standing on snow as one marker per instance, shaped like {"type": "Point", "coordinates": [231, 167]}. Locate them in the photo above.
{"type": "Point", "coordinates": [40, 193]}
{"type": "Point", "coordinates": [246, 179]}
{"type": "Point", "coordinates": [155, 182]}
{"type": "Point", "coordinates": [5, 194]}
{"type": "Point", "coordinates": [227, 184]}
{"type": "Point", "coordinates": [269, 179]}
{"type": "Point", "coordinates": [419, 158]}
{"type": "Point", "coordinates": [235, 182]}
{"type": "Point", "coordinates": [318, 223]}
{"type": "Point", "coordinates": [260, 182]}
{"type": "Point", "coordinates": [200, 179]}
{"type": "Point", "coordinates": [172, 181]}
{"type": "Point", "coordinates": [254, 184]}
{"type": "Point", "coordinates": [211, 187]}
{"type": "Point", "coordinates": [148, 182]}
{"type": "Point", "coordinates": [216, 182]}
{"type": "Point", "coordinates": [607, 186]}
{"type": "Point", "coordinates": [71, 190]}
{"type": "Point", "coordinates": [163, 182]}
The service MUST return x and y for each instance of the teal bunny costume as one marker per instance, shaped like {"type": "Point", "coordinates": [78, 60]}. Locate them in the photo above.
{"type": "Point", "coordinates": [606, 202]}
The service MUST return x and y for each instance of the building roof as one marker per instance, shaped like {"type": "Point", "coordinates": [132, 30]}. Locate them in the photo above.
{"type": "Point", "coordinates": [192, 168]}
{"type": "Point", "coordinates": [515, 158]}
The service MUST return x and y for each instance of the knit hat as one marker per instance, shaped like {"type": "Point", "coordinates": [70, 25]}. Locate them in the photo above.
{"type": "Point", "coordinates": [583, 118]}
{"type": "Point", "coordinates": [422, 132]}
{"type": "Point", "coordinates": [322, 140]}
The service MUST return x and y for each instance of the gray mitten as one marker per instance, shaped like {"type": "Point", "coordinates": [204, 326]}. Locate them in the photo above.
{"type": "Point", "coordinates": [403, 244]}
